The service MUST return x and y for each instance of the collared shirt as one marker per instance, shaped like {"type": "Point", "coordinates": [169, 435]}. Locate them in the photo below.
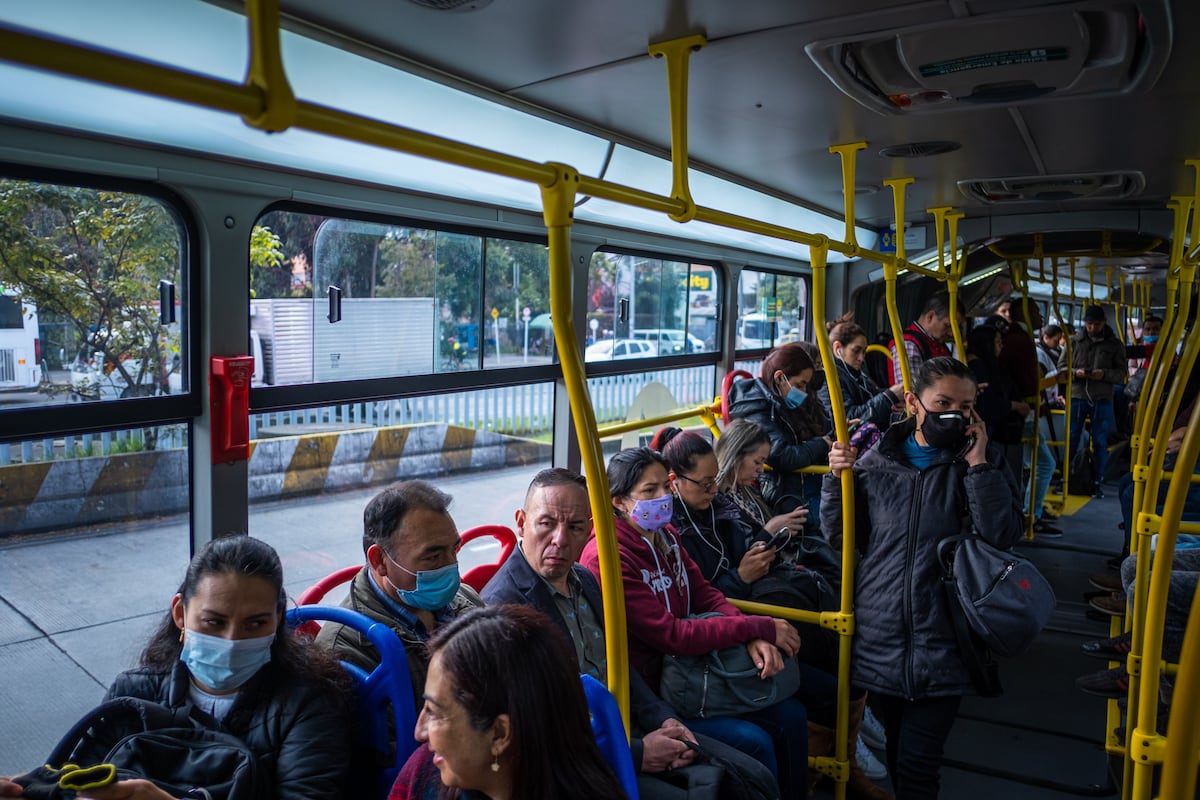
{"type": "Point", "coordinates": [407, 617]}
{"type": "Point", "coordinates": [583, 622]}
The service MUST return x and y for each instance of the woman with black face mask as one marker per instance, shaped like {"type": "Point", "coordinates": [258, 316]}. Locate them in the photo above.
{"type": "Point", "coordinates": [930, 477]}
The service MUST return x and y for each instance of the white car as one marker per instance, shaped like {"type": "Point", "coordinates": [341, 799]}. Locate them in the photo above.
{"type": "Point", "coordinates": [617, 349]}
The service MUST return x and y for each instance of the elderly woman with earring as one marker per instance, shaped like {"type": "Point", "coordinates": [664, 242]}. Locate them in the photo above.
{"type": "Point", "coordinates": [505, 716]}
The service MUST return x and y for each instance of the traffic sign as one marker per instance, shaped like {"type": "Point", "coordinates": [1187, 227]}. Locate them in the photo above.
{"type": "Point", "coordinates": [495, 313]}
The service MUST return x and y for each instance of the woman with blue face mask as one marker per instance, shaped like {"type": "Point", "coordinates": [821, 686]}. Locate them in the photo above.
{"type": "Point", "coordinates": [665, 591]}
{"type": "Point", "coordinates": [223, 651]}
{"type": "Point", "coordinates": [780, 403]}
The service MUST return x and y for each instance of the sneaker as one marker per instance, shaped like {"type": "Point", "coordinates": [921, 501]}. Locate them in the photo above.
{"type": "Point", "coordinates": [1045, 530]}
{"type": "Point", "coordinates": [1113, 649]}
{"type": "Point", "coordinates": [1105, 683]}
{"type": "Point", "coordinates": [1114, 606]}
{"type": "Point", "coordinates": [1048, 515]}
{"type": "Point", "coordinates": [871, 766]}
{"type": "Point", "coordinates": [871, 731]}
{"type": "Point", "coordinates": [1097, 492]}
{"type": "Point", "coordinates": [1107, 581]}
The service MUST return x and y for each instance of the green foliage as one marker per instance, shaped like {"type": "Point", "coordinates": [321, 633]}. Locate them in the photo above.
{"type": "Point", "coordinates": [93, 259]}
{"type": "Point", "coordinates": [266, 258]}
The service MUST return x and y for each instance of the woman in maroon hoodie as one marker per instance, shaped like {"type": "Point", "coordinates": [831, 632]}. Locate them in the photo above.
{"type": "Point", "coordinates": [664, 589]}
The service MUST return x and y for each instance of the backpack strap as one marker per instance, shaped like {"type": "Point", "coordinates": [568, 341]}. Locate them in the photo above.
{"type": "Point", "coordinates": [984, 672]}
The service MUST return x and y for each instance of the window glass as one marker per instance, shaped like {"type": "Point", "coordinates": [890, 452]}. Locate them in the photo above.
{"type": "Point", "coordinates": [111, 509]}
{"type": "Point", "coordinates": [772, 310]}
{"type": "Point", "coordinates": [641, 307]}
{"type": "Point", "coordinates": [411, 300]}
{"type": "Point", "coordinates": [82, 276]}
{"type": "Point", "coordinates": [620, 398]}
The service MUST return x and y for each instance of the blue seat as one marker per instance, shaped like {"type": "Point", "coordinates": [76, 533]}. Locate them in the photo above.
{"type": "Point", "coordinates": [384, 699]}
{"type": "Point", "coordinates": [610, 733]}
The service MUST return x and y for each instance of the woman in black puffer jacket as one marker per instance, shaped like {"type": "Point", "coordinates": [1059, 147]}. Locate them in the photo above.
{"type": "Point", "coordinates": [930, 477]}
{"type": "Point", "coordinates": [779, 402]}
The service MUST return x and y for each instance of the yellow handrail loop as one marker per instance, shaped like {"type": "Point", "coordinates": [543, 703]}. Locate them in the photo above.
{"type": "Point", "coordinates": [677, 53]}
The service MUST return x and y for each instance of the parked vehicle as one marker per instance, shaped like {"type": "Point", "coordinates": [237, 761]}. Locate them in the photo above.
{"type": "Point", "coordinates": [20, 348]}
{"type": "Point", "coordinates": [618, 349]}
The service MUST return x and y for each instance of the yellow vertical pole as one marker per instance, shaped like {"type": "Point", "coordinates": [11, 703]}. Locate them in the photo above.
{"type": "Point", "coordinates": [953, 274]}
{"type": "Point", "coordinates": [265, 70]}
{"type": "Point", "coordinates": [677, 53]}
{"type": "Point", "coordinates": [1145, 744]}
{"type": "Point", "coordinates": [558, 201]}
{"type": "Point", "coordinates": [898, 187]}
{"type": "Point", "coordinates": [848, 154]}
{"type": "Point", "coordinates": [1021, 280]}
{"type": "Point", "coordinates": [837, 407]}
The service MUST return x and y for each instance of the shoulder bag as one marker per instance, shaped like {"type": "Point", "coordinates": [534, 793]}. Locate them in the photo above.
{"type": "Point", "coordinates": [723, 683]}
{"type": "Point", "coordinates": [996, 595]}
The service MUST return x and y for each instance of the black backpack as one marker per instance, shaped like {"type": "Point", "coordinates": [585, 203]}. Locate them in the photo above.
{"type": "Point", "coordinates": [180, 754]}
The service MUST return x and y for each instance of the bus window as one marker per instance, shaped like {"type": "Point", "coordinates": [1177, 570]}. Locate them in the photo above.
{"type": "Point", "coordinates": [772, 309]}
{"type": "Point", "coordinates": [91, 262]}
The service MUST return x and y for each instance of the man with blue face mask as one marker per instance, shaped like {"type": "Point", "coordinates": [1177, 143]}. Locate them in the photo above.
{"type": "Point", "coordinates": [410, 581]}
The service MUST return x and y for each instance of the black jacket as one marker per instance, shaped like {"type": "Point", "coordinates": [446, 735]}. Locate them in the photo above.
{"type": "Point", "coordinates": [861, 398]}
{"type": "Point", "coordinates": [717, 540]}
{"type": "Point", "coordinates": [298, 731]}
{"type": "Point", "coordinates": [751, 399]}
{"type": "Point", "coordinates": [904, 643]}
{"type": "Point", "coordinates": [516, 582]}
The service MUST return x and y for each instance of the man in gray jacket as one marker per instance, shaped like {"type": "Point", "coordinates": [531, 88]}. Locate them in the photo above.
{"type": "Point", "coordinates": [1097, 361]}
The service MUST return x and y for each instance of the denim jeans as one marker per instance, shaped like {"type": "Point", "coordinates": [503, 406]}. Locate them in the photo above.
{"type": "Point", "coordinates": [787, 724]}
{"type": "Point", "coordinates": [917, 731]}
{"type": "Point", "coordinates": [745, 736]}
{"type": "Point", "coordinates": [1039, 482]}
{"type": "Point", "coordinates": [1101, 414]}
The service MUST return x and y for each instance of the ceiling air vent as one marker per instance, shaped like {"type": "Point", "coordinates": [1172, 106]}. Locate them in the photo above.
{"type": "Point", "coordinates": [452, 5]}
{"type": "Point", "coordinates": [1054, 188]}
{"type": "Point", "coordinates": [919, 149]}
{"type": "Point", "coordinates": [1073, 49]}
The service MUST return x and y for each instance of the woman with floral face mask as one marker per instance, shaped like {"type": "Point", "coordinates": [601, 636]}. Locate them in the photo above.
{"type": "Point", "coordinates": [665, 590]}
{"type": "Point", "coordinates": [930, 477]}
{"type": "Point", "coordinates": [780, 403]}
{"type": "Point", "coordinates": [223, 651]}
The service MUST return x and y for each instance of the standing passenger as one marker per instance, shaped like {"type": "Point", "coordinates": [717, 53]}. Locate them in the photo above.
{"type": "Point", "coordinates": [863, 400]}
{"type": "Point", "coordinates": [779, 402]}
{"type": "Point", "coordinates": [410, 581]}
{"type": "Point", "coordinates": [926, 337]}
{"type": "Point", "coordinates": [930, 477]}
{"type": "Point", "coordinates": [1098, 362]}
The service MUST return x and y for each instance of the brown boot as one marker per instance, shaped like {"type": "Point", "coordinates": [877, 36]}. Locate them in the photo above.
{"type": "Point", "coordinates": [820, 743]}
{"type": "Point", "coordinates": [860, 787]}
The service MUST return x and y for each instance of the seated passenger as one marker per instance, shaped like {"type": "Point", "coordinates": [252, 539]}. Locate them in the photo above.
{"type": "Point", "coordinates": [735, 557]}
{"type": "Point", "coordinates": [410, 581]}
{"type": "Point", "coordinates": [930, 477]}
{"type": "Point", "coordinates": [742, 452]}
{"type": "Point", "coordinates": [552, 527]}
{"type": "Point", "coordinates": [664, 589]}
{"type": "Point", "coordinates": [527, 735]}
{"type": "Point", "coordinates": [779, 403]}
{"type": "Point", "coordinates": [224, 650]}
{"type": "Point", "coordinates": [862, 399]}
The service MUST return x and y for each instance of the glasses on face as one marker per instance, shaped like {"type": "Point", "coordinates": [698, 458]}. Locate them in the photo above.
{"type": "Point", "coordinates": [705, 486]}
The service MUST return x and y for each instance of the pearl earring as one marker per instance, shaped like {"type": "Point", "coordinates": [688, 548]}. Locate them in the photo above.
{"type": "Point", "coordinates": [495, 763]}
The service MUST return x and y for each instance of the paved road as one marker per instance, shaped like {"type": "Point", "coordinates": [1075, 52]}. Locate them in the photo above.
{"type": "Point", "coordinates": [75, 608]}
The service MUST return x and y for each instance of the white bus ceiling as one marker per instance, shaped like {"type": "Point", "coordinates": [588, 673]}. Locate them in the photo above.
{"type": "Point", "coordinates": [1067, 116]}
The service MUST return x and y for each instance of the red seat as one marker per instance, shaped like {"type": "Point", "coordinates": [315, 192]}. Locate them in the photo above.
{"type": "Point", "coordinates": [315, 593]}
{"type": "Point", "coordinates": [477, 577]}
{"type": "Point", "coordinates": [730, 377]}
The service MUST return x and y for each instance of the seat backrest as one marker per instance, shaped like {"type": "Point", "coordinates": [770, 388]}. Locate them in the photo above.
{"type": "Point", "coordinates": [730, 377]}
{"type": "Point", "coordinates": [477, 577]}
{"type": "Point", "coordinates": [315, 593]}
{"type": "Point", "coordinates": [609, 731]}
{"type": "Point", "coordinates": [384, 707]}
